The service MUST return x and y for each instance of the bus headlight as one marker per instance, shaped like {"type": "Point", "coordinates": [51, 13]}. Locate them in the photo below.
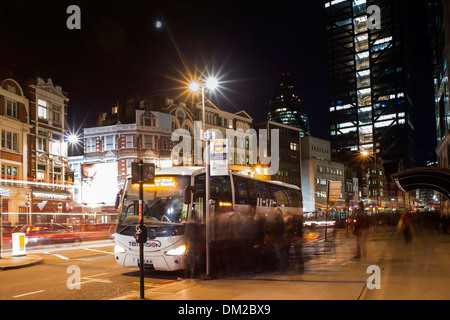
{"type": "Point", "coordinates": [119, 249]}
{"type": "Point", "coordinates": [177, 251]}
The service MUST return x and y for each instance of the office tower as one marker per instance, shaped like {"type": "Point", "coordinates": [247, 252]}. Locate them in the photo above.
{"type": "Point", "coordinates": [286, 106]}
{"type": "Point", "coordinates": [439, 30]}
{"type": "Point", "coordinates": [438, 27]}
{"type": "Point", "coordinates": [368, 81]}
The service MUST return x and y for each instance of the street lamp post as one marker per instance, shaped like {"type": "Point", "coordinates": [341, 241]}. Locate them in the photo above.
{"type": "Point", "coordinates": [365, 153]}
{"type": "Point", "coordinates": [211, 84]}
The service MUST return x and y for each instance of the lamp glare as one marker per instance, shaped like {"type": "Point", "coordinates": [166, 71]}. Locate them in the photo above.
{"type": "Point", "coordinates": [211, 83]}
{"type": "Point", "coordinates": [194, 86]}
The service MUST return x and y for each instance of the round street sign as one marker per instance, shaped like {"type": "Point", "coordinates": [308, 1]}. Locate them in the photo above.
{"type": "Point", "coordinates": [207, 135]}
{"type": "Point", "coordinates": [219, 145]}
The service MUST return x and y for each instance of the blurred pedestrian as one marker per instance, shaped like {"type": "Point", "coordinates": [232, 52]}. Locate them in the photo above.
{"type": "Point", "coordinates": [236, 243]}
{"type": "Point", "coordinates": [360, 229]}
{"type": "Point", "coordinates": [406, 227]}
{"type": "Point", "coordinates": [280, 243]}
{"type": "Point", "coordinates": [195, 236]}
{"type": "Point", "coordinates": [247, 263]}
{"type": "Point", "coordinates": [294, 232]}
{"type": "Point", "coordinates": [258, 242]}
{"type": "Point", "coordinates": [445, 223]}
{"type": "Point", "coordinates": [221, 247]}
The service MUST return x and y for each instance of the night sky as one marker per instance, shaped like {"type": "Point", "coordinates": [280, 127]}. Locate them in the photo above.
{"type": "Point", "coordinates": [119, 52]}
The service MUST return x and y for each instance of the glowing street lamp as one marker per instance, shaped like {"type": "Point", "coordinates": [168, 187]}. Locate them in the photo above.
{"type": "Point", "coordinates": [72, 138]}
{"type": "Point", "coordinates": [194, 86]}
{"type": "Point", "coordinates": [365, 154]}
{"type": "Point", "coordinates": [211, 83]}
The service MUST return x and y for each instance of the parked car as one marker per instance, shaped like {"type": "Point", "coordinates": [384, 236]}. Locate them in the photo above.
{"type": "Point", "coordinates": [41, 233]}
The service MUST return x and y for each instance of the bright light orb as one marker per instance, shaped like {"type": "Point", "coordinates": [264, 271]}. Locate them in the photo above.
{"type": "Point", "coordinates": [194, 86]}
{"type": "Point", "coordinates": [211, 83]}
{"type": "Point", "coordinates": [158, 24]}
{"type": "Point", "coordinates": [364, 153]}
{"type": "Point", "coordinates": [72, 138]}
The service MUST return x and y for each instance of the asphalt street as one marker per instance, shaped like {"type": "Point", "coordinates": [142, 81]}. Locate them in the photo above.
{"type": "Point", "coordinates": [85, 271]}
{"type": "Point", "coordinates": [88, 271]}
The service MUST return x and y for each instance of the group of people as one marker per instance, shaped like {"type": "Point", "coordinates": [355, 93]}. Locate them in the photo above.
{"type": "Point", "coordinates": [260, 242]}
{"type": "Point", "coordinates": [242, 243]}
{"type": "Point", "coordinates": [405, 222]}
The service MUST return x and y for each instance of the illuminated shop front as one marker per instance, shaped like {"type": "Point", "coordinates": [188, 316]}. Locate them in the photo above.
{"type": "Point", "coordinates": [50, 206]}
{"type": "Point", "coordinates": [14, 204]}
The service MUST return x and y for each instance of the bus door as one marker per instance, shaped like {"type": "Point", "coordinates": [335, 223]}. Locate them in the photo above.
{"type": "Point", "coordinates": [198, 198]}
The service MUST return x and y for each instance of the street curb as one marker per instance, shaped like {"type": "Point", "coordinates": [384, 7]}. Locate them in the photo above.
{"type": "Point", "coordinates": [8, 263]}
{"type": "Point", "coordinates": [135, 295]}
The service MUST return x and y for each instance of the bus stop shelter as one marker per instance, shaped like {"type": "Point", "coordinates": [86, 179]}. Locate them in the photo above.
{"type": "Point", "coordinates": [433, 178]}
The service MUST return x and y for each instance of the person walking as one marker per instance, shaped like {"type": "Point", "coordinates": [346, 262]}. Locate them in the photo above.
{"type": "Point", "coordinates": [359, 231]}
{"type": "Point", "coordinates": [406, 227]}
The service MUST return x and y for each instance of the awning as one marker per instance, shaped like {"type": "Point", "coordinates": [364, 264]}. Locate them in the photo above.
{"type": "Point", "coordinates": [433, 178]}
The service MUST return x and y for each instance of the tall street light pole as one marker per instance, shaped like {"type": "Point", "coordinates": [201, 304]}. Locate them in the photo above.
{"type": "Point", "coordinates": [211, 84]}
{"type": "Point", "coordinates": [366, 154]}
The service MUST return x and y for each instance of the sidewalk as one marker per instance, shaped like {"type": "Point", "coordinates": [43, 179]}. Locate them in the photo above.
{"type": "Point", "coordinates": [416, 270]}
{"type": "Point", "coordinates": [333, 274]}
{"type": "Point", "coordinates": [8, 262]}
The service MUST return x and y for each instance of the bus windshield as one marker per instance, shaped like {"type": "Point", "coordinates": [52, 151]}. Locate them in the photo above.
{"type": "Point", "coordinates": [162, 203]}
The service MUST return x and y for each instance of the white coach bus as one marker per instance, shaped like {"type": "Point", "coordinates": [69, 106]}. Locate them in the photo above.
{"type": "Point", "coordinates": [169, 217]}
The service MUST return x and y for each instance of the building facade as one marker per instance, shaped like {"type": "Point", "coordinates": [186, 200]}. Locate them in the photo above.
{"type": "Point", "coordinates": [47, 144]}
{"type": "Point", "coordinates": [141, 129]}
{"type": "Point", "coordinates": [439, 29]}
{"type": "Point", "coordinates": [47, 148]}
{"type": "Point", "coordinates": [15, 130]}
{"type": "Point", "coordinates": [109, 151]}
{"type": "Point", "coordinates": [368, 86]}
{"type": "Point", "coordinates": [317, 170]}
{"type": "Point", "coordinates": [33, 156]}
{"type": "Point", "coordinates": [289, 153]}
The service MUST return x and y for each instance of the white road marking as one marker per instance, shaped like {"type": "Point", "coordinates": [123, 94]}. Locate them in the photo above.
{"type": "Point", "coordinates": [89, 279]}
{"type": "Point", "coordinates": [56, 255]}
{"type": "Point", "coordinates": [27, 294]}
{"type": "Point", "coordinates": [99, 251]}
{"type": "Point", "coordinates": [60, 256]}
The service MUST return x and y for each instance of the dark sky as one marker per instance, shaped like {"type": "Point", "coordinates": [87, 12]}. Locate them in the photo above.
{"type": "Point", "coordinates": [119, 53]}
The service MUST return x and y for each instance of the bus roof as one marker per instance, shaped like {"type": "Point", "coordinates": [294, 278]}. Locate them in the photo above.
{"type": "Point", "coordinates": [189, 171]}
{"type": "Point", "coordinates": [293, 186]}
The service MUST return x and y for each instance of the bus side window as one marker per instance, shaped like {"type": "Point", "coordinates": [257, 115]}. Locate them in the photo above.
{"type": "Point", "coordinates": [263, 190]}
{"type": "Point", "coordinates": [221, 189]}
{"type": "Point", "coordinates": [241, 191]}
{"type": "Point", "coordinates": [294, 197]}
{"type": "Point", "coordinates": [280, 196]}
{"type": "Point", "coordinates": [252, 196]}
{"type": "Point", "coordinates": [298, 198]}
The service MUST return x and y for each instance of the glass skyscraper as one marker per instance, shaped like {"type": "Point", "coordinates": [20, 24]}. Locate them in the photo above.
{"type": "Point", "coordinates": [286, 106]}
{"type": "Point", "coordinates": [368, 81]}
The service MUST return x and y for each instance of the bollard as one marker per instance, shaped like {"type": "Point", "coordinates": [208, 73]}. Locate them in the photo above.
{"type": "Point", "coordinates": [18, 244]}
